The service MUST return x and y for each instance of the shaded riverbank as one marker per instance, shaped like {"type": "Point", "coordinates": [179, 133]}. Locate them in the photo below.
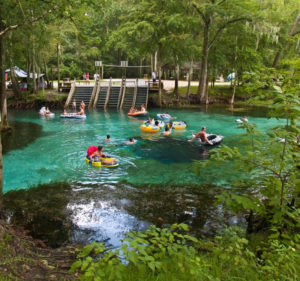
{"type": "Point", "coordinates": [62, 213]}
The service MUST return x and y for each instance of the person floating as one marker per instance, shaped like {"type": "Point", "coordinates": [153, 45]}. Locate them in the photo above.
{"type": "Point", "coordinates": [132, 110]}
{"type": "Point", "coordinates": [143, 109]}
{"type": "Point", "coordinates": [167, 131]}
{"type": "Point", "coordinates": [91, 149]}
{"type": "Point", "coordinates": [74, 105]}
{"type": "Point", "coordinates": [242, 120]}
{"type": "Point", "coordinates": [130, 142]}
{"type": "Point", "coordinates": [47, 111]}
{"type": "Point", "coordinates": [202, 136]}
{"type": "Point", "coordinates": [107, 138]}
{"type": "Point", "coordinates": [98, 155]}
{"type": "Point", "coordinates": [82, 105]}
{"type": "Point", "coordinates": [81, 112]}
{"type": "Point", "coordinates": [170, 125]}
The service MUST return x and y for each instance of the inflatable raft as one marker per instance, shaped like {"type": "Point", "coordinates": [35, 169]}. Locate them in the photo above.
{"type": "Point", "coordinates": [138, 113]}
{"type": "Point", "coordinates": [73, 116]}
{"type": "Point", "coordinates": [164, 116]}
{"type": "Point", "coordinates": [179, 125]}
{"type": "Point", "coordinates": [148, 128]}
{"type": "Point", "coordinates": [100, 164]}
{"type": "Point", "coordinates": [241, 120]}
{"type": "Point", "coordinates": [215, 139]}
{"type": "Point", "coordinates": [43, 112]}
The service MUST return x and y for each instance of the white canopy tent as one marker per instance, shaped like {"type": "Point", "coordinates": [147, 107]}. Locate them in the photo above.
{"type": "Point", "coordinates": [23, 74]}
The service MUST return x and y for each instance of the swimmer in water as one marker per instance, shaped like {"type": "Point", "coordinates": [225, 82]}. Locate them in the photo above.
{"type": "Point", "coordinates": [130, 142]}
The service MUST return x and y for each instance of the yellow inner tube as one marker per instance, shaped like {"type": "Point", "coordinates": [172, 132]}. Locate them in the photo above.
{"type": "Point", "coordinates": [99, 164]}
{"type": "Point", "coordinates": [150, 129]}
{"type": "Point", "coordinates": [179, 126]}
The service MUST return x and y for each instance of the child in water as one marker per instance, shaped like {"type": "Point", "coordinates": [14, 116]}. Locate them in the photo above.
{"type": "Point", "coordinates": [167, 131]}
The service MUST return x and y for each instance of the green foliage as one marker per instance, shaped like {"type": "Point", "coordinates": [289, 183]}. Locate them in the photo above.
{"type": "Point", "coordinates": [272, 162]}
{"type": "Point", "coordinates": [171, 254]}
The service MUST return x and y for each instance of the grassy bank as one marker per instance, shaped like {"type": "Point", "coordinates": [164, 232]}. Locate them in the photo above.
{"type": "Point", "coordinates": [219, 94]}
{"type": "Point", "coordinates": [34, 101]}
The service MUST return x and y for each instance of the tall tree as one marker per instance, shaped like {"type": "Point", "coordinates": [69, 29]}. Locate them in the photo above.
{"type": "Point", "coordinates": [216, 16]}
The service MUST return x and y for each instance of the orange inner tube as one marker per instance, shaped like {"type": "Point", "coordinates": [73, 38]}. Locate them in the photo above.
{"type": "Point", "coordinates": [142, 113]}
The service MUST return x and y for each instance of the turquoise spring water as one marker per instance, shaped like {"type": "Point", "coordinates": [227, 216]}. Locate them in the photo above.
{"type": "Point", "coordinates": [57, 152]}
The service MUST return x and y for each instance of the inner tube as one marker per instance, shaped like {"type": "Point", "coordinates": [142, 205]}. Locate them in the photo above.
{"type": "Point", "coordinates": [73, 116]}
{"type": "Point", "coordinates": [100, 164]}
{"type": "Point", "coordinates": [215, 139]}
{"type": "Point", "coordinates": [150, 128]}
{"type": "Point", "coordinates": [179, 125]}
{"type": "Point", "coordinates": [47, 115]}
{"type": "Point", "coordinates": [138, 113]}
{"type": "Point", "coordinates": [164, 116]}
{"type": "Point", "coordinates": [241, 120]}
{"type": "Point", "coordinates": [146, 127]}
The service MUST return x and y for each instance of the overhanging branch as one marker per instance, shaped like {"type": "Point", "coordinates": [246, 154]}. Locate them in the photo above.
{"type": "Point", "coordinates": [221, 28]}
{"type": "Point", "coordinates": [29, 21]}
{"type": "Point", "coordinates": [293, 30]}
{"type": "Point", "coordinates": [200, 13]}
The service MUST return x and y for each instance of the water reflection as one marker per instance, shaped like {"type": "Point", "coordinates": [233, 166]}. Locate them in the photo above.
{"type": "Point", "coordinates": [81, 213]}
{"type": "Point", "coordinates": [22, 134]}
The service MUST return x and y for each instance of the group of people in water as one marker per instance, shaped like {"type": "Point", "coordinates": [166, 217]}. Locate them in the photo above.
{"type": "Point", "coordinates": [134, 110]}
{"type": "Point", "coordinates": [82, 108]}
{"type": "Point", "coordinates": [95, 153]}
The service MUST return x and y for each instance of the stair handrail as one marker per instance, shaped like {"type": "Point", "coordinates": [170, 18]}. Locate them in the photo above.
{"type": "Point", "coordinates": [147, 96]}
{"type": "Point", "coordinates": [71, 94]}
{"type": "Point", "coordinates": [135, 92]}
{"type": "Point", "coordinates": [108, 93]}
{"type": "Point", "coordinates": [93, 94]}
{"type": "Point", "coordinates": [123, 93]}
{"type": "Point", "coordinates": [97, 94]}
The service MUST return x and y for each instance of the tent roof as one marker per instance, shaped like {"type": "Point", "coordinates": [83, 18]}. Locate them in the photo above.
{"type": "Point", "coordinates": [22, 73]}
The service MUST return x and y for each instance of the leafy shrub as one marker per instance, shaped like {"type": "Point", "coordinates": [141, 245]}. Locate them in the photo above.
{"type": "Point", "coordinates": [170, 254]}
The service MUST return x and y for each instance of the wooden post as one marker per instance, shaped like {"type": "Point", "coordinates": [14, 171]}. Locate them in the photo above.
{"type": "Point", "coordinates": [58, 70]}
{"type": "Point", "coordinates": [147, 96]}
{"type": "Point", "coordinates": [108, 93]}
{"type": "Point", "coordinates": [93, 94]}
{"type": "Point", "coordinates": [135, 92]}
{"type": "Point", "coordinates": [97, 94]}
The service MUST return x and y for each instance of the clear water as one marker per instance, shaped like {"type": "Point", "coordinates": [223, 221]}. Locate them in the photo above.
{"type": "Point", "coordinates": [156, 176]}
{"type": "Point", "coordinates": [58, 152]}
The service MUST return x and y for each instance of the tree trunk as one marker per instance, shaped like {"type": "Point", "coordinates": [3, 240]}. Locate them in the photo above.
{"type": "Point", "coordinates": [2, 214]}
{"type": "Point", "coordinates": [58, 68]}
{"type": "Point", "coordinates": [38, 77]}
{"type": "Point", "coordinates": [176, 81]}
{"type": "Point", "coordinates": [159, 85]}
{"type": "Point", "coordinates": [33, 69]}
{"type": "Point", "coordinates": [234, 90]}
{"type": "Point", "coordinates": [204, 60]}
{"type": "Point", "coordinates": [4, 121]}
{"type": "Point", "coordinates": [276, 59]}
{"type": "Point", "coordinates": [152, 64]}
{"type": "Point", "coordinates": [46, 74]}
{"type": "Point", "coordinates": [188, 91]}
{"type": "Point", "coordinates": [206, 91]}
{"type": "Point", "coordinates": [15, 83]}
{"type": "Point", "coordinates": [155, 62]}
{"type": "Point", "coordinates": [140, 69]}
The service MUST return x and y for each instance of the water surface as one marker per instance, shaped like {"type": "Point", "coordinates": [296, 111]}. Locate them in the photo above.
{"type": "Point", "coordinates": [156, 176]}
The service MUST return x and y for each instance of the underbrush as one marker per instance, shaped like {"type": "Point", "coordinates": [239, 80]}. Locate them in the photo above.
{"type": "Point", "coordinates": [171, 254]}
